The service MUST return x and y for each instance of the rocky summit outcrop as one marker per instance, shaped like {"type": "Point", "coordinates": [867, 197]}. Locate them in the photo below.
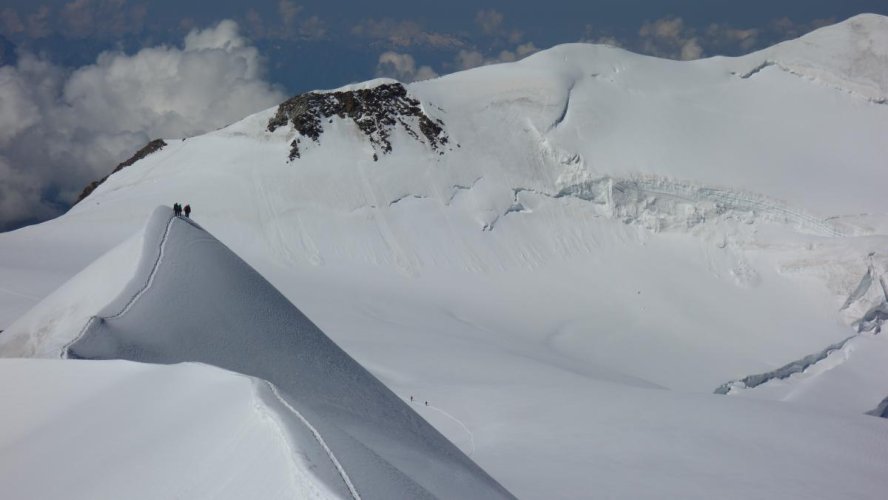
{"type": "Point", "coordinates": [376, 111]}
{"type": "Point", "coordinates": [151, 147]}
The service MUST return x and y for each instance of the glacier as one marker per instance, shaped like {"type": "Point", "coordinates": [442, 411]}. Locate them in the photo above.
{"type": "Point", "coordinates": [606, 239]}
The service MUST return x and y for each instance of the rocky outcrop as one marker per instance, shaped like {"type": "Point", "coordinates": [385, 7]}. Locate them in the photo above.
{"type": "Point", "coordinates": [376, 111]}
{"type": "Point", "coordinates": [151, 147]}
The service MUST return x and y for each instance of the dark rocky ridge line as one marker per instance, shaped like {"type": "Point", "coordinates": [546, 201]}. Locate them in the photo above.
{"type": "Point", "coordinates": [151, 147]}
{"type": "Point", "coordinates": [376, 111]}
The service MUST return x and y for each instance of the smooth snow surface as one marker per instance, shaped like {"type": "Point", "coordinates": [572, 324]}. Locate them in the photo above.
{"type": "Point", "coordinates": [114, 429]}
{"type": "Point", "coordinates": [192, 299]}
{"type": "Point", "coordinates": [606, 241]}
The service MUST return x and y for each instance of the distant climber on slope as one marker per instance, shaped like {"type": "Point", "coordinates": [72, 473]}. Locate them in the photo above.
{"type": "Point", "coordinates": [177, 209]}
{"type": "Point", "coordinates": [188, 211]}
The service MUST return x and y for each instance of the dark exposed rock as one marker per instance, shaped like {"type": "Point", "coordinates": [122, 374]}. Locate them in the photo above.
{"type": "Point", "coordinates": [376, 111]}
{"type": "Point", "coordinates": [151, 147]}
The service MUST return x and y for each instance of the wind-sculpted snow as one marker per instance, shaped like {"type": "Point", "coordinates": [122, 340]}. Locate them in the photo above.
{"type": "Point", "coordinates": [851, 57]}
{"type": "Point", "coordinates": [873, 319]}
{"type": "Point", "coordinates": [869, 300]}
{"type": "Point", "coordinates": [783, 372]}
{"type": "Point", "coordinates": [847, 361]}
{"type": "Point", "coordinates": [601, 222]}
{"type": "Point", "coordinates": [875, 96]}
{"type": "Point", "coordinates": [862, 288]}
{"type": "Point", "coordinates": [194, 300]}
{"type": "Point", "coordinates": [662, 204]}
{"type": "Point", "coordinates": [116, 429]}
{"type": "Point", "coordinates": [872, 292]}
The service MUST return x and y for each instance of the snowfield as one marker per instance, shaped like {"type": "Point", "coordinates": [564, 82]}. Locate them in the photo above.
{"type": "Point", "coordinates": [115, 429]}
{"type": "Point", "coordinates": [192, 300]}
{"type": "Point", "coordinates": [620, 276]}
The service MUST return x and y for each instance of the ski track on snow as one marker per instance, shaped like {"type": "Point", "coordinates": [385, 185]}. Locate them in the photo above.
{"type": "Point", "coordinates": [20, 294]}
{"type": "Point", "coordinates": [137, 295]}
{"type": "Point", "coordinates": [460, 423]}
{"type": "Point", "coordinates": [317, 435]}
{"type": "Point", "coordinates": [151, 276]}
{"type": "Point", "coordinates": [320, 439]}
{"type": "Point", "coordinates": [134, 298]}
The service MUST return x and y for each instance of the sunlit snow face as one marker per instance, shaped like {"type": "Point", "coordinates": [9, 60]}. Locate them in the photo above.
{"type": "Point", "coordinates": [607, 239]}
{"type": "Point", "coordinates": [84, 84]}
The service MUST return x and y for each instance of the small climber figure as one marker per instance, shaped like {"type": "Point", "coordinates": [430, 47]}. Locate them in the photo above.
{"type": "Point", "coordinates": [411, 399]}
{"type": "Point", "coordinates": [177, 209]}
{"type": "Point", "coordinates": [427, 403]}
{"type": "Point", "coordinates": [188, 211]}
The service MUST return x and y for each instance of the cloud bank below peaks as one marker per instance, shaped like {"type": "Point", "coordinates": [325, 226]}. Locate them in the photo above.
{"type": "Point", "coordinates": [61, 128]}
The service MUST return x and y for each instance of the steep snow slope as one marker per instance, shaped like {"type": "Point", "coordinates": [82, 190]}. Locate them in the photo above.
{"type": "Point", "coordinates": [852, 56]}
{"type": "Point", "coordinates": [596, 217]}
{"type": "Point", "coordinates": [326, 429]}
{"type": "Point", "coordinates": [47, 327]}
{"type": "Point", "coordinates": [106, 430]}
{"type": "Point", "coordinates": [191, 299]}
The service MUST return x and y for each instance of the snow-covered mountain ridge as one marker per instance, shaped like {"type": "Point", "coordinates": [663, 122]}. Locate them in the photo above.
{"type": "Point", "coordinates": [605, 232]}
{"type": "Point", "coordinates": [193, 300]}
{"type": "Point", "coordinates": [151, 147]}
{"type": "Point", "coordinates": [852, 56]}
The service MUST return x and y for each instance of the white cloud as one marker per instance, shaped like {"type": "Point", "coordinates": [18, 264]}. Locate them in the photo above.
{"type": "Point", "coordinates": [287, 23]}
{"type": "Point", "coordinates": [691, 49]}
{"type": "Point", "coordinates": [17, 190]}
{"type": "Point", "coordinates": [721, 34]}
{"type": "Point", "coordinates": [607, 40]}
{"type": "Point", "coordinates": [77, 19]}
{"type": "Point", "coordinates": [224, 35]}
{"type": "Point", "coordinates": [666, 28]}
{"type": "Point", "coordinates": [526, 49]}
{"type": "Point", "coordinates": [466, 59]}
{"type": "Point", "coordinates": [490, 21]}
{"type": "Point", "coordinates": [91, 18]}
{"type": "Point", "coordinates": [17, 110]}
{"type": "Point", "coordinates": [402, 67]}
{"type": "Point", "coordinates": [785, 28]}
{"type": "Point", "coordinates": [403, 33]}
{"type": "Point", "coordinates": [288, 11]}
{"type": "Point", "coordinates": [670, 37]}
{"type": "Point", "coordinates": [60, 129]}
